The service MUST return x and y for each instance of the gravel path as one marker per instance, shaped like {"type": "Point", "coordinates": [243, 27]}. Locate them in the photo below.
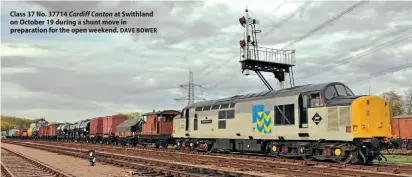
{"type": "Point", "coordinates": [75, 166]}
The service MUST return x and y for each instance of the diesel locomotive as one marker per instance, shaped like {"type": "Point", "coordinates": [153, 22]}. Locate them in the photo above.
{"type": "Point", "coordinates": [315, 122]}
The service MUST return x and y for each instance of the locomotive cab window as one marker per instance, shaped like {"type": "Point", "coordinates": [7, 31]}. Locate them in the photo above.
{"type": "Point", "coordinates": [341, 90]}
{"type": "Point", "coordinates": [350, 93]}
{"type": "Point", "coordinates": [330, 92]}
{"type": "Point", "coordinates": [314, 100]}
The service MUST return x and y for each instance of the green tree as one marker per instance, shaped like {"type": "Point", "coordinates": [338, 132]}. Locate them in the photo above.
{"type": "Point", "coordinates": [6, 126]}
{"type": "Point", "coordinates": [408, 102]}
{"type": "Point", "coordinates": [396, 105]}
{"type": "Point", "coordinates": [10, 122]}
{"type": "Point", "coordinates": [132, 115]}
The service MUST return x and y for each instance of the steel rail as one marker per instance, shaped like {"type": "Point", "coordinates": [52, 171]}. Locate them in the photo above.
{"type": "Point", "coordinates": [40, 165]}
{"type": "Point", "coordinates": [271, 166]}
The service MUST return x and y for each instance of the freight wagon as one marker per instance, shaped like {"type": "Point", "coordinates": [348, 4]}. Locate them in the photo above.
{"type": "Point", "coordinates": [23, 133]}
{"type": "Point", "coordinates": [30, 131]}
{"type": "Point", "coordinates": [11, 132]}
{"type": "Point", "coordinates": [402, 128]}
{"type": "Point", "coordinates": [16, 133]}
{"type": "Point", "coordinates": [3, 134]}
{"type": "Point", "coordinates": [96, 129]}
{"type": "Point", "coordinates": [52, 131]}
{"type": "Point", "coordinates": [82, 130]}
{"type": "Point", "coordinates": [154, 128]}
{"type": "Point", "coordinates": [63, 131]}
{"type": "Point", "coordinates": [127, 130]}
{"type": "Point", "coordinates": [109, 128]}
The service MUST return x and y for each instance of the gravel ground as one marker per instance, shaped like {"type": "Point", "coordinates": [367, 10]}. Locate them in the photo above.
{"type": "Point", "coordinates": [75, 166]}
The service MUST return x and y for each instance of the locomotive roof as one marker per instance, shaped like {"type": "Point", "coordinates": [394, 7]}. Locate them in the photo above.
{"type": "Point", "coordinates": [265, 94]}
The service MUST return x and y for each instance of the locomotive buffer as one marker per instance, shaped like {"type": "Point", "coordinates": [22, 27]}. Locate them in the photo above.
{"type": "Point", "coordinates": [263, 59]}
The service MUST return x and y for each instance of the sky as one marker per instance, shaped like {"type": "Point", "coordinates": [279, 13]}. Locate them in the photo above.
{"type": "Point", "coordinates": [68, 77]}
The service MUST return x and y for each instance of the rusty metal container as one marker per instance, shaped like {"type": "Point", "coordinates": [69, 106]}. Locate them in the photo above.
{"type": "Point", "coordinates": [43, 131]}
{"type": "Point", "coordinates": [96, 126]}
{"type": "Point", "coordinates": [110, 123]}
{"type": "Point", "coordinates": [52, 130]}
{"type": "Point", "coordinates": [16, 133]}
{"type": "Point", "coordinates": [23, 132]}
{"type": "Point", "coordinates": [402, 127]}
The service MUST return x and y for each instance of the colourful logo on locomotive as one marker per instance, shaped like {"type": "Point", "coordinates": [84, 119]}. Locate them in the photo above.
{"type": "Point", "coordinates": [262, 119]}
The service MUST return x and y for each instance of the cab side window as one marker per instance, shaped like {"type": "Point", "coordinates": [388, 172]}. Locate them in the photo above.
{"type": "Point", "coordinates": [341, 90]}
{"type": "Point", "coordinates": [330, 92]}
{"type": "Point", "coordinates": [314, 100]}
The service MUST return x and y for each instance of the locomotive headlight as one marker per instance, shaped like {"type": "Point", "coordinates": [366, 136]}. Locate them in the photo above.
{"type": "Point", "coordinates": [274, 148]}
{"type": "Point", "coordinates": [338, 152]}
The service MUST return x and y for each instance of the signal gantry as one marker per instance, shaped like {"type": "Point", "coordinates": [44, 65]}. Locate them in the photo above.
{"type": "Point", "coordinates": [262, 59]}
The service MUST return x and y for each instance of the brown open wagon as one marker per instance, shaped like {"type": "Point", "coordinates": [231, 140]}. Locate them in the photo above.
{"type": "Point", "coordinates": [402, 128]}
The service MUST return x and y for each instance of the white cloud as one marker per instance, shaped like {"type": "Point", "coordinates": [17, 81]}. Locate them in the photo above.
{"type": "Point", "coordinates": [22, 49]}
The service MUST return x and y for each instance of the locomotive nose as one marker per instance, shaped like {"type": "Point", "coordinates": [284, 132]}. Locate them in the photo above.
{"type": "Point", "coordinates": [370, 117]}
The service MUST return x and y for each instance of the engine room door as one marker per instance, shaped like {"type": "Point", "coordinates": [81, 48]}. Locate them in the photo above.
{"type": "Point", "coordinates": [303, 111]}
{"type": "Point", "coordinates": [187, 119]}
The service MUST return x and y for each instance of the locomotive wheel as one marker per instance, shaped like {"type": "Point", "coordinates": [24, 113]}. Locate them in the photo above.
{"type": "Point", "coordinates": [351, 158]}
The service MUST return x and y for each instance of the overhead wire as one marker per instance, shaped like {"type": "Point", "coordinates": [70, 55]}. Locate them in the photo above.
{"type": "Point", "coordinates": [324, 24]}
{"type": "Point", "coordinates": [356, 48]}
{"type": "Point", "coordinates": [391, 70]}
{"type": "Point", "coordinates": [284, 20]}
{"type": "Point", "coordinates": [394, 41]}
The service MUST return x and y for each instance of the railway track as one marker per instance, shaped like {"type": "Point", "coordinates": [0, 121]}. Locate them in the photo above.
{"type": "Point", "coordinates": [232, 164]}
{"type": "Point", "coordinates": [382, 167]}
{"type": "Point", "coordinates": [14, 164]}
{"type": "Point", "coordinates": [151, 166]}
{"type": "Point", "coordinates": [403, 152]}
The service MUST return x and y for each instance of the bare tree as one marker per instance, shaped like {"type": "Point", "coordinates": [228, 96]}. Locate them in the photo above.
{"type": "Point", "coordinates": [396, 104]}
{"type": "Point", "coordinates": [408, 102]}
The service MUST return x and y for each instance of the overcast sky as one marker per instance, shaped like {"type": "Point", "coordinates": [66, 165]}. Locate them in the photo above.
{"type": "Point", "coordinates": [67, 77]}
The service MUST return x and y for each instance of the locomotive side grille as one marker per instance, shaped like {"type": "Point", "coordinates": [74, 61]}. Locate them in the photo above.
{"type": "Point", "coordinates": [333, 123]}
{"type": "Point", "coordinates": [344, 116]}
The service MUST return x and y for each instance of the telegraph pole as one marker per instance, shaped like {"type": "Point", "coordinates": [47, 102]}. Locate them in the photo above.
{"type": "Point", "coordinates": [191, 90]}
